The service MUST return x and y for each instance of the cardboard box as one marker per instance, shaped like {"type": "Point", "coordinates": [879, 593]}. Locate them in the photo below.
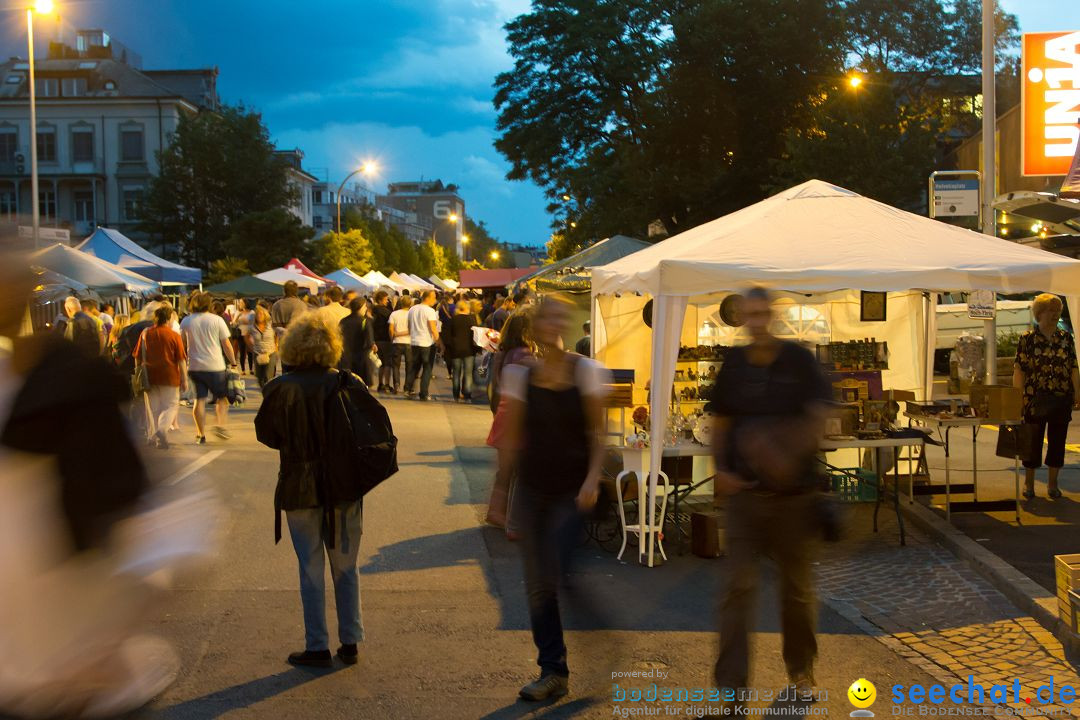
{"type": "Point", "coordinates": [1067, 574]}
{"type": "Point", "coordinates": [997, 402]}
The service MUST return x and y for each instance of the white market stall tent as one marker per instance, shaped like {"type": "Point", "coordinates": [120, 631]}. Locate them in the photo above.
{"type": "Point", "coordinates": [817, 245]}
{"type": "Point", "coordinates": [379, 280]}
{"type": "Point", "coordinates": [282, 276]}
{"type": "Point", "coordinates": [349, 280]}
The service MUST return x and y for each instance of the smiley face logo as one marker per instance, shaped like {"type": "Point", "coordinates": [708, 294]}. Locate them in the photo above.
{"type": "Point", "coordinates": [862, 693]}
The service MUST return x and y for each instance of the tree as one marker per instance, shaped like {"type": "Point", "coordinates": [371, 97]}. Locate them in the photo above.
{"type": "Point", "coordinates": [268, 239]}
{"type": "Point", "coordinates": [408, 257]}
{"type": "Point", "coordinates": [219, 167]}
{"type": "Point", "coordinates": [226, 269]}
{"type": "Point", "coordinates": [351, 249]}
{"type": "Point", "coordinates": [434, 260]}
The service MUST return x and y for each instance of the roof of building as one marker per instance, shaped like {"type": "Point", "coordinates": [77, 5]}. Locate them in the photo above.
{"type": "Point", "coordinates": [493, 278]}
{"type": "Point", "coordinates": [105, 78]}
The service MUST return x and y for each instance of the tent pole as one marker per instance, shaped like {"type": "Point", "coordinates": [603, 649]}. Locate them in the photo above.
{"type": "Point", "coordinates": [931, 345]}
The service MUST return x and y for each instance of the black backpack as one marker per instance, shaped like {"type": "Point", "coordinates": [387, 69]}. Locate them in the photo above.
{"type": "Point", "coordinates": [358, 429]}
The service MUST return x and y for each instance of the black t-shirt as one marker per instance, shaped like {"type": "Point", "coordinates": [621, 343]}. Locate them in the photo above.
{"type": "Point", "coordinates": [381, 322]}
{"type": "Point", "coordinates": [763, 398]}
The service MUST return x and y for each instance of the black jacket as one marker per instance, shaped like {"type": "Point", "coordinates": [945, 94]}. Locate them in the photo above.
{"type": "Point", "coordinates": [69, 408]}
{"type": "Point", "coordinates": [459, 342]}
{"type": "Point", "coordinates": [292, 420]}
{"type": "Point", "coordinates": [357, 336]}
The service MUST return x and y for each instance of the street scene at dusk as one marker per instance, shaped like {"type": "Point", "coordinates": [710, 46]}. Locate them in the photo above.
{"type": "Point", "coordinates": [498, 359]}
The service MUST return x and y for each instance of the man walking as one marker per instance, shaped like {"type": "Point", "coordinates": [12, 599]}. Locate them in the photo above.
{"type": "Point", "coordinates": [423, 341]}
{"type": "Point", "coordinates": [210, 354]}
{"type": "Point", "coordinates": [333, 311]}
{"type": "Point", "coordinates": [770, 396]}
{"type": "Point", "coordinates": [288, 307]}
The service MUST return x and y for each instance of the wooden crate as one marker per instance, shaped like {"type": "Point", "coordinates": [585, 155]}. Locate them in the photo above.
{"type": "Point", "coordinates": [1067, 574]}
{"type": "Point", "coordinates": [620, 395]}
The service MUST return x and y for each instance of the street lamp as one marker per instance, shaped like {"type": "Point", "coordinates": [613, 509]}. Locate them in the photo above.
{"type": "Point", "coordinates": [367, 168]}
{"type": "Point", "coordinates": [465, 245]}
{"type": "Point", "coordinates": [495, 255]}
{"type": "Point", "coordinates": [43, 7]}
{"type": "Point", "coordinates": [855, 81]}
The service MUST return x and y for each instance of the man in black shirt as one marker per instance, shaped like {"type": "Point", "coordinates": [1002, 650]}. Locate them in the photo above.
{"type": "Point", "coordinates": [770, 396]}
{"type": "Point", "coordinates": [384, 344]}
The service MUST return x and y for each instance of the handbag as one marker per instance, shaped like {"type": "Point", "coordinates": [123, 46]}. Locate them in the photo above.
{"type": "Point", "coordinates": [373, 356]}
{"type": "Point", "coordinates": [1014, 441]}
{"type": "Point", "coordinates": [235, 388]}
{"type": "Point", "coordinates": [140, 380]}
{"type": "Point", "coordinates": [262, 359]}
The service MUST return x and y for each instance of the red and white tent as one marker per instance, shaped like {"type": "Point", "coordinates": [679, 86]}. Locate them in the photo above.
{"type": "Point", "coordinates": [296, 266]}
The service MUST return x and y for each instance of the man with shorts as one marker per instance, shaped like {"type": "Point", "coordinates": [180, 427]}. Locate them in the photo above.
{"type": "Point", "coordinates": [210, 354]}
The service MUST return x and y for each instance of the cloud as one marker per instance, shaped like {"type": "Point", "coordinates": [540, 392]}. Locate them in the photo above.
{"type": "Point", "coordinates": [515, 211]}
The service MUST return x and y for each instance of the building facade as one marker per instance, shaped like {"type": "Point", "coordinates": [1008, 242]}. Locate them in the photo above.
{"type": "Point", "coordinates": [302, 184]}
{"type": "Point", "coordinates": [425, 209]}
{"type": "Point", "coordinates": [101, 124]}
{"type": "Point", "coordinates": [325, 203]}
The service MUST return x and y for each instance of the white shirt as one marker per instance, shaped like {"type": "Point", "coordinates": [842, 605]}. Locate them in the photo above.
{"type": "Point", "coordinates": [421, 318]}
{"type": "Point", "coordinates": [399, 323]}
{"type": "Point", "coordinates": [204, 333]}
{"type": "Point", "coordinates": [591, 378]}
{"type": "Point", "coordinates": [334, 313]}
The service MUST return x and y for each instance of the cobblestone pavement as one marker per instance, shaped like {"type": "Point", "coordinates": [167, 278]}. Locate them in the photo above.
{"type": "Point", "coordinates": [929, 607]}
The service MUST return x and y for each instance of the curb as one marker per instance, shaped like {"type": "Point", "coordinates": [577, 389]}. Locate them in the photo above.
{"type": "Point", "coordinates": [1022, 591]}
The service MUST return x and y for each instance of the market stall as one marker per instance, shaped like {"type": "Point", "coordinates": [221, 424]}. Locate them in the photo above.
{"type": "Point", "coordinates": [247, 286]}
{"type": "Point", "coordinates": [851, 274]}
{"type": "Point", "coordinates": [114, 247]}
{"type": "Point", "coordinates": [349, 280]}
{"type": "Point", "coordinates": [106, 279]}
{"type": "Point", "coordinates": [381, 281]}
{"type": "Point", "coordinates": [282, 276]}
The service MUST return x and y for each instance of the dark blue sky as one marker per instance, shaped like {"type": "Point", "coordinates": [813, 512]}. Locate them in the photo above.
{"type": "Point", "coordinates": [404, 82]}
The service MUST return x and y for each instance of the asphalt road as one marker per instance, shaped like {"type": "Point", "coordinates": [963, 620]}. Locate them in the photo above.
{"type": "Point", "coordinates": [443, 602]}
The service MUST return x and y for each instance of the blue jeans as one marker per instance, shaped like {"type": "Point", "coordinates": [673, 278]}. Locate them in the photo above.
{"type": "Point", "coordinates": [419, 362]}
{"type": "Point", "coordinates": [308, 531]}
{"type": "Point", "coordinates": [461, 372]}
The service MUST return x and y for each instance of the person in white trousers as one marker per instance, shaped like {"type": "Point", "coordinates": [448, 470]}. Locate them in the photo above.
{"type": "Point", "coordinates": [161, 350]}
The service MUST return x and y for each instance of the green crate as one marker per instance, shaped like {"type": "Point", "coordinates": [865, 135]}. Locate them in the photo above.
{"type": "Point", "coordinates": [854, 484]}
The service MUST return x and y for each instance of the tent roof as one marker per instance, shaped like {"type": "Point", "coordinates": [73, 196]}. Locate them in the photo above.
{"type": "Point", "coordinates": [818, 237]}
{"type": "Point", "coordinates": [494, 278]}
{"type": "Point", "coordinates": [424, 284]}
{"type": "Point", "coordinates": [438, 283]}
{"type": "Point", "coordinates": [382, 281]}
{"type": "Point", "coordinates": [405, 280]}
{"type": "Point", "coordinates": [296, 266]}
{"type": "Point", "coordinates": [349, 280]}
{"type": "Point", "coordinates": [99, 275]}
{"type": "Point", "coordinates": [282, 276]}
{"type": "Point", "coordinates": [450, 284]}
{"type": "Point", "coordinates": [606, 251]}
{"type": "Point", "coordinates": [114, 247]}
{"type": "Point", "coordinates": [247, 286]}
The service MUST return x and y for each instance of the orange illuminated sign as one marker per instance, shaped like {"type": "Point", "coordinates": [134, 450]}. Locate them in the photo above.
{"type": "Point", "coordinates": [1050, 101]}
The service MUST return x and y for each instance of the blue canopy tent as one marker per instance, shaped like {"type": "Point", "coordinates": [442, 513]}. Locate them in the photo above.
{"type": "Point", "coordinates": [112, 246]}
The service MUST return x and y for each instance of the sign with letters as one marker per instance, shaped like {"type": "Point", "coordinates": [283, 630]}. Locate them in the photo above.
{"type": "Point", "coordinates": [1050, 102]}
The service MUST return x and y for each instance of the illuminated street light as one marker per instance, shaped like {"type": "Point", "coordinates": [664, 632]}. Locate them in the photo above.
{"type": "Point", "coordinates": [494, 254]}
{"type": "Point", "coordinates": [465, 245]}
{"type": "Point", "coordinates": [42, 7]}
{"type": "Point", "coordinates": [566, 198]}
{"type": "Point", "coordinates": [452, 217]}
{"type": "Point", "coordinates": [367, 168]}
{"type": "Point", "coordinates": [855, 80]}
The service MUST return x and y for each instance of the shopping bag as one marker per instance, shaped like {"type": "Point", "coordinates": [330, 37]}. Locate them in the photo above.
{"type": "Point", "coordinates": [236, 390]}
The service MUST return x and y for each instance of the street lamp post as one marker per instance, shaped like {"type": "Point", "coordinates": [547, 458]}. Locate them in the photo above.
{"type": "Point", "coordinates": [44, 7]}
{"type": "Point", "coordinates": [989, 176]}
{"type": "Point", "coordinates": [465, 246]}
{"type": "Point", "coordinates": [451, 218]}
{"type": "Point", "coordinates": [367, 169]}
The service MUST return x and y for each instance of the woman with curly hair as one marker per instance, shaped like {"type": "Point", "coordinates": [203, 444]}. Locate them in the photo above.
{"type": "Point", "coordinates": [292, 420]}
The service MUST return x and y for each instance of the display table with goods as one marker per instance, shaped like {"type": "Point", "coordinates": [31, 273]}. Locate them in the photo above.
{"type": "Point", "coordinates": [941, 417]}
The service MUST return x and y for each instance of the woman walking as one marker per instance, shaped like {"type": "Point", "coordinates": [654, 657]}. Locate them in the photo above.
{"type": "Point", "coordinates": [261, 345]}
{"type": "Point", "coordinates": [399, 337]}
{"type": "Point", "coordinates": [161, 350]}
{"type": "Point", "coordinates": [554, 428]}
{"type": "Point", "coordinates": [358, 338]}
{"type": "Point", "coordinates": [460, 351]}
{"type": "Point", "coordinates": [292, 420]}
{"type": "Point", "coordinates": [515, 348]}
{"type": "Point", "coordinates": [1046, 369]}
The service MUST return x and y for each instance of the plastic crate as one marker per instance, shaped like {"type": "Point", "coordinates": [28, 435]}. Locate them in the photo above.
{"type": "Point", "coordinates": [854, 484]}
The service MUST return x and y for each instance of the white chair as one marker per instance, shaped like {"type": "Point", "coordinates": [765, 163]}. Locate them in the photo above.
{"type": "Point", "coordinates": [662, 491]}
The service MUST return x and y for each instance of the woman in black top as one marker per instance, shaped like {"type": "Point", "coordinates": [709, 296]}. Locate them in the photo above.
{"type": "Point", "coordinates": [460, 351]}
{"type": "Point", "coordinates": [380, 321]}
{"type": "Point", "coordinates": [358, 337]}
{"type": "Point", "coordinates": [554, 428]}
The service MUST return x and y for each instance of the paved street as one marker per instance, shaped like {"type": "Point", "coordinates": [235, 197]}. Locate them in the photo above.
{"type": "Point", "coordinates": [445, 614]}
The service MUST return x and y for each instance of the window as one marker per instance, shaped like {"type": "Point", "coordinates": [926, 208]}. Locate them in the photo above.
{"type": "Point", "coordinates": [82, 145]}
{"type": "Point", "coordinates": [316, 196]}
{"type": "Point", "coordinates": [46, 145]}
{"type": "Point", "coordinates": [7, 204]}
{"type": "Point", "coordinates": [47, 204]}
{"type": "Point", "coordinates": [131, 145]}
{"type": "Point", "coordinates": [132, 200]}
{"type": "Point", "coordinates": [84, 205]}
{"type": "Point", "coordinates": [73, 86]}
{"type": "Point", "coordinates": [9, 141]}
{"type": "Point", "coordinates": [47, 87]}
{"type": "Point", "coordinates": [14, 79]}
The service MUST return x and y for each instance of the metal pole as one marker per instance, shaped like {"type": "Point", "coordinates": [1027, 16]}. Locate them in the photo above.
{"type": "Point", "coordinates": [989, 184]}
{"type": "Point", "coordinates": [34, 200]}
{"type": "Point", "coordinates": [339, 189]}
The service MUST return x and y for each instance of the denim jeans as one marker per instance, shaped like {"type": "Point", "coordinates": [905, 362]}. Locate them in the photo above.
{"type": "Point", "coordinates": [550, 529]}
{"type": "Point", "coordinates": [420, 361]}
{"type": "Point", "coordinates": [782, 528]}
{"type": "Point", "coordinates": [308, 531]}
{"type": "Point", "coordinates": [398, 353]}
{"type": "Point", "coordinates": [461, 372]}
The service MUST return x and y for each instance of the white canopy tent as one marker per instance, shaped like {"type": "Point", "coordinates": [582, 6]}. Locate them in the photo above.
{"type": "Point", "coordinates": [450, 284]}
{"type": "Point", "coordinates": [380, 280]}
{"type": "Point", "coordinates": [421, 282]}
{"type": "Point", "coordinates": [439, 283]}
{"type": "Point", "coordinates": [349, 280]}
{"type": "Point", "coordinates": [819, 245]}
{"type": "Point", "coordinates": [282, 276]}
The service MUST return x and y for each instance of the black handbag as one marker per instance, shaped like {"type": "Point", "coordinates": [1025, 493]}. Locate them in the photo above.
{"type": "Point", "coordinates": [1014, 441]}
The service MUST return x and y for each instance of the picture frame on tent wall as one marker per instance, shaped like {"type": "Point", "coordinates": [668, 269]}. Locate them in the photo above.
{"type": "Point", "coordinates": [872, 307]}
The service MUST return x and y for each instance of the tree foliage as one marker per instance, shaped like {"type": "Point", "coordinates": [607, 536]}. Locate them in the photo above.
{"type": "Point", "coordinates": [631, 111]}
{"type": "Point", "coordinates": [219, 167]}
{"type": "Point", "coordinates": [268, 239]}
{"type": "Point", "coordinates": [434, 260]}
{"type": "Point", "coordinates": [348, 249]}
{"type": "Point", "coordinates": [226, 269]}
